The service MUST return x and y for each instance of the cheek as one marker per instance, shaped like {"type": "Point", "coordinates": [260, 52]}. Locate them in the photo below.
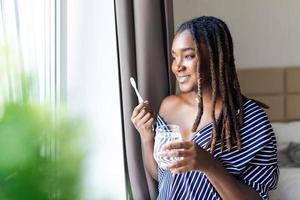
{"type": "Point", "coordinates": [173, 68]}
{"type": "Point", "coordinates": [193, 66]}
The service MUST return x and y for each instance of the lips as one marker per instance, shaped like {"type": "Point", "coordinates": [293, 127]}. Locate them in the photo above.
{"type": "Point", "coordinates": [183, 79]}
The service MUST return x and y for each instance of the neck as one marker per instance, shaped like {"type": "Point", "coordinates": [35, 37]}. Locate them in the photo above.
{"type": "Point", "coordinates": [192, 98]}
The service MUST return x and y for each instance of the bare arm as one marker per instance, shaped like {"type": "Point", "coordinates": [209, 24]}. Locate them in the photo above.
{"type": "Point", "coordinates": [143, 119]}
{"type": "Point", "coordinates": [148, 159]}
{"type": "Point", "coordinates": [227, 185]}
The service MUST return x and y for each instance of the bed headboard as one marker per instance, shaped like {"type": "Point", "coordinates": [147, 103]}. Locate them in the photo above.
{"type": "Point", "coordinates": [277, 87]}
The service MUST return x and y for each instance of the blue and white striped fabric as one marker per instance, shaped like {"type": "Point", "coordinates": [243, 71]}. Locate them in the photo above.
{"type": "Point", "coordinates": [255, 164]}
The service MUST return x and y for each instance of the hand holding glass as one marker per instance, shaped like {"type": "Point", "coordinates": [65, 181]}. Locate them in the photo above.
{"type": "Point", "coordinates": [164, 134]}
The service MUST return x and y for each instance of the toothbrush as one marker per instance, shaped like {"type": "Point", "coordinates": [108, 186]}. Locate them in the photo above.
{"type": "Point", "coordinates": [132, 81]}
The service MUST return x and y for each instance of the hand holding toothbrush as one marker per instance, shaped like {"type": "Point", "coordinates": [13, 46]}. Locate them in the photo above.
{"type": "Point", "coordinates": [142, 116]}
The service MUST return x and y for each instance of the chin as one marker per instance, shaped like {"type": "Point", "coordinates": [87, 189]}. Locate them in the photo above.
{"type": "Point", "coordinates": [185, 88]}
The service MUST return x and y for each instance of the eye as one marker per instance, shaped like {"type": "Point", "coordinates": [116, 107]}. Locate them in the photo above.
{"type": "Point", "coordinates": [174, 58]}
{"type": "Point", "coordinates": [189, 57]}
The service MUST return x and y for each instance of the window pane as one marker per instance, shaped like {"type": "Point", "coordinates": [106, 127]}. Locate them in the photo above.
{"type": "Point", "coordinates": [93, 91]}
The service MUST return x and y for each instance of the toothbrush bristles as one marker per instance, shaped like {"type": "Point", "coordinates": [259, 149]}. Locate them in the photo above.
{"type": "Point", "coordinates": [132, 81]}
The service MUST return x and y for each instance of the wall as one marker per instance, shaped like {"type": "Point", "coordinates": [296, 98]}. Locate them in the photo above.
{"type": "Point", "coordinates": [265, 33]}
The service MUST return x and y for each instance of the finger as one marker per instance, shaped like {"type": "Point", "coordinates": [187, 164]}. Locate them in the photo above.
{"type": "Point", "coordinates": [183, 169]}
{"type": "Point", "coordinates": [137, 109]}
{"type": "Point", "coordinates": [178, 164]}
{"type": "Point", "coordinates": [147, 108]}
{"type": "Point", "coordinates": [142, 113]}
{"type": "Point", "coordinates": [176, 153]}
{"type": "Point", "coordinates": [145, 118]}
{"type": "Point", "coordinates": [149, 122]}
{"type": "Point", "coordinates": [177, 144]}
{"type": "Point", "coordinates": [153, 114]}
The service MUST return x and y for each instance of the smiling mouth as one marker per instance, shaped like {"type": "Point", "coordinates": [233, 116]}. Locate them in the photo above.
{"type": "Point", "coordinates": [183, 79]}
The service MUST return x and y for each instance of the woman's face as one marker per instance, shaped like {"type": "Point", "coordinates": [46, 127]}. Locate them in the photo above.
{"type": "Point", "coordinates": [185, 61]}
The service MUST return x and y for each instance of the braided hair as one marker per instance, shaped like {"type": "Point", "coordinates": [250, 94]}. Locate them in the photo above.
{"type": "Point", "coordinates": [219, 63]}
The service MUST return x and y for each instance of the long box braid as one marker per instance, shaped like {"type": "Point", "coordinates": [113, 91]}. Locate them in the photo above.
{"type": "Point", "coordinates": [214, 34]}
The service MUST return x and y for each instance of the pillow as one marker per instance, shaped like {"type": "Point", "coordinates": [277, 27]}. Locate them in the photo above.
{"type": "Point", "coordinates": [289, 154]}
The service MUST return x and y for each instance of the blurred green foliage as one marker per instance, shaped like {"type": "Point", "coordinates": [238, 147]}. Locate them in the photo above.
{"type": "Point", "coordinates": [41, 150]}
{"type": "Point", "coordinates": [40, 158]}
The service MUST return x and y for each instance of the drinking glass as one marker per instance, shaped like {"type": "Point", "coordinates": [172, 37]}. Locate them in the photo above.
{"type": "Point", "coordinates": [164, 134]}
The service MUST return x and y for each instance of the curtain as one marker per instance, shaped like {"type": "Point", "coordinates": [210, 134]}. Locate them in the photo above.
{"type": "Point", "coordinates": [29, 39]}
{"type": "Point", "coordinates": [144, 34]}
{"type": "Point", "coordinates": [28, 47]}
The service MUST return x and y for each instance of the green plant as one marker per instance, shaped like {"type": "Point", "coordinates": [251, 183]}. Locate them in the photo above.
{"type": "Point", "coordinates": [41, 155]}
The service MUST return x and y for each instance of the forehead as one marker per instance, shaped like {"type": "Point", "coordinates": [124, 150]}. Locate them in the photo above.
{"type": "Point", "coordinates": [183, 40]}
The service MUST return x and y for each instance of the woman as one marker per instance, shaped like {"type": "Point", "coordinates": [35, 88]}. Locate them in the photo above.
{"type": "Point", "coordinates": [228, 146]}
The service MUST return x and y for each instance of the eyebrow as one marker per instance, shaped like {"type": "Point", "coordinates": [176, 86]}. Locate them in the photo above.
{"type": "Point", "coordinates": [185, 49]}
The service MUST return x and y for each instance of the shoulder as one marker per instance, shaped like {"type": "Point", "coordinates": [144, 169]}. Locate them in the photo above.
{"type": "Point", "coordinates": [168, 104]}
{"type": "Point", "coordinates": [257, 135]}
{"type": "Point", "coordinates": [253, 110]}
{"type": "Point", "coordinates": [256, 120]}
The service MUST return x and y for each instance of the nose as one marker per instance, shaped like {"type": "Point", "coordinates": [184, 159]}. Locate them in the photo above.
{"type": "Point", "coordinates": [178, 65]}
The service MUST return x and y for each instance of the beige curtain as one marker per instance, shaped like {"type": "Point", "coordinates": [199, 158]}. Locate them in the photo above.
{"type": "Point", "coordinates": [144, 32]}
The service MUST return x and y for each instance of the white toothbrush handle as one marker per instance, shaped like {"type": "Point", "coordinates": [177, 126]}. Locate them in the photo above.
{"type": "Point", "coordinates": [140, 99]}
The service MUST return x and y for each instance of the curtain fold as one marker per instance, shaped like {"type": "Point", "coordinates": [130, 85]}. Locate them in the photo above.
{"type": "Point", "coordinates": [144, 32]}
{"type": "Point", "coordinates": [29, 34]}
{"type": "Point", "coordinates": [167, 5]}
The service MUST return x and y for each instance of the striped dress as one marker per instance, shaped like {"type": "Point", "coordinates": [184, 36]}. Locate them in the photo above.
{"type": "Point", "coordinates": [255, 164]}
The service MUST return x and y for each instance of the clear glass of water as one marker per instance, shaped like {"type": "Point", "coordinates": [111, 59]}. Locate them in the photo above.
{"type": "Point", "coordinates": [164, 134]}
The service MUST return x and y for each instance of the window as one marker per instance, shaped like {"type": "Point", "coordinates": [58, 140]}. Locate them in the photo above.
{"type": "Point", "coordinates": [70, 46]}
{"type": "Point", "coordinates": [29, 30]}
{"type": "Point", "coordinates": [93, 92]}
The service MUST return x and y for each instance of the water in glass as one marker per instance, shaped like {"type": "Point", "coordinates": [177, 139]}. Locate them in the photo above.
{"type": "Point", "coordinates": [164, 134]}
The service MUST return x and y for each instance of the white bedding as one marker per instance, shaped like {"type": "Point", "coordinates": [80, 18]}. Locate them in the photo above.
{"type": "Point", "coordinates": [288, 187]}
{"type": "Point", "coordinates": [287, 132]}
